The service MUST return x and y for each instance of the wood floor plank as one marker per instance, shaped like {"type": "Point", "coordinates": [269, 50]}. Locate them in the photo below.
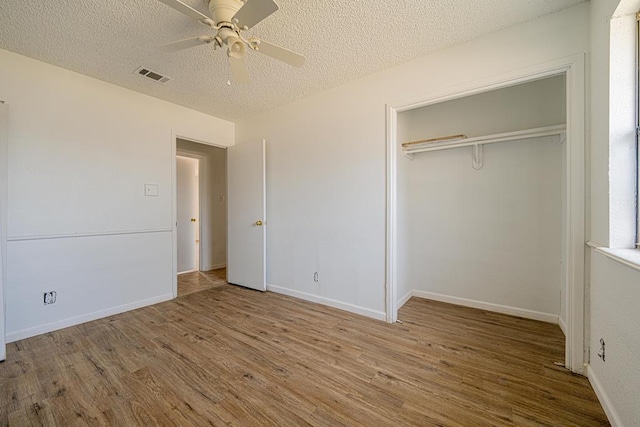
{"type": "Point", "coordinates": [225, 355]}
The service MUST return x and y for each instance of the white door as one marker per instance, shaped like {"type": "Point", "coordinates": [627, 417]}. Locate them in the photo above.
{"type": "Point", "coordinates": [4, 138]}
{"type": "Point", "coordinates": [187, 213]}
{"type": "Point", "coordinates": [246, 219]}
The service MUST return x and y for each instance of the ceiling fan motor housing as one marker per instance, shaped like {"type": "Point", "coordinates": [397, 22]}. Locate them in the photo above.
{"type": "Point", "coordinates": [223, 10]}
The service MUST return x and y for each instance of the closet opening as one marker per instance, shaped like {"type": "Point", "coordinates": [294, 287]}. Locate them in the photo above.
{"type": "Point", "coordinates": [482, 206]}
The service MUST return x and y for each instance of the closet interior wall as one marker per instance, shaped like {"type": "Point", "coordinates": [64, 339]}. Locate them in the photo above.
{"type": "Point", "coordinates": [488, 237]}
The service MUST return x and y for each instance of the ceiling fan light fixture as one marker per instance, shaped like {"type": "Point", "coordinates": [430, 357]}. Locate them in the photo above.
{"type": "Point", "coordinates": [237, 48]}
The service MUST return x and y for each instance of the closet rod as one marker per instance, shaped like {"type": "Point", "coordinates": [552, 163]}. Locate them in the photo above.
{"type": "Point", "coordinates": [440, 139]}
{"type": "Point", "coordinates": [488, 139]}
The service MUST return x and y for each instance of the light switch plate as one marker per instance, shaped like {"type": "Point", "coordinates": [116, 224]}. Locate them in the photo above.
{"type": "Point", "coordinates": [151, 190]}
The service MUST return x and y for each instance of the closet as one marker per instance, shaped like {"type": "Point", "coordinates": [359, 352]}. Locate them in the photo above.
{"type": "Point", "coordinates": [481, 185]}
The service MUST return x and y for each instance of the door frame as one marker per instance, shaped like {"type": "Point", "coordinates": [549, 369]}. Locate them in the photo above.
{"type": "Point", "coordinates": [4, 209]}
{"type": "Point", "coordinates": [174, 200]}
{"type": "Point", "coordinates": [199, 158]}
{"type": "Point", "coordinates": [573, 68]}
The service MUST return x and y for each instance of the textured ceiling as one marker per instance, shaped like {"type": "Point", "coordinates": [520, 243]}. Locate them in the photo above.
{"type": "Point", "coordinates": [342, 40]}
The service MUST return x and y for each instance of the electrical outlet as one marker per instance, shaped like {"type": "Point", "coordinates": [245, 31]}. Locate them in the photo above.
{"type": "Point", "coordinates": [49, 297]}
{"type": "Point", "coordinates": [601, 352]}
{"type": "Point", "coordinates": [315, 277]}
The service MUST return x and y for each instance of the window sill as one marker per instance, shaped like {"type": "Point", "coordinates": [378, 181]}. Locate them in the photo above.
{"type": "Point", "coordinates": [628, 257]}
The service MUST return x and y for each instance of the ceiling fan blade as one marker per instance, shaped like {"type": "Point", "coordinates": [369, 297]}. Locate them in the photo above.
{"type": "Point", "coordinates": [254, 11]}
{"type": "Point", "coordinates": [239, 70]}
{"type": "Point", "coordinates": [187, 10]}
{"type": "Point", "coordinates": [186, 43]}
{"type": "Point", "coordinates": [280, 53]}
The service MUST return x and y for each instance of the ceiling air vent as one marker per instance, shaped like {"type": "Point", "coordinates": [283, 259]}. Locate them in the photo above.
{"type": "Point", "coordinates": [156, 77]}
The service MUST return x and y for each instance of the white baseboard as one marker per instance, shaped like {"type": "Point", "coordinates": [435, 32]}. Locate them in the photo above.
{"type": "Point", "coordinates": [404, 299]}
{"type": "Point", "coordinates": [72, 321]}
{"type": "Point", "coordinates": [603, 397]}
{"type": "Point", "coordinates": [562, 325]}
{"type": "Point", "coordinates": [352, 308]}
{"type": "Point", "coordinates": [504, 309]}
{"type": "Point", "coordinates": [217, 266]}
{"type": "Point", "coordinates": [187, 271]}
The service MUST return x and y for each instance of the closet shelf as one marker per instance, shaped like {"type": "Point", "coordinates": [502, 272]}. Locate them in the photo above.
{"type": "Point", "coordinates": [412, 148]}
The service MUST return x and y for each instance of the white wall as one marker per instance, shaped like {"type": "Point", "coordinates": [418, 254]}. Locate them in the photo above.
{"type": "Point", "coordinates": [490, 236]}
{"type": "Point", "coordinates": [326, 159]}
{"type": "Point", "coordinates": [614, 287]}
{"type": "Point", "coordinates": [80, 152]}
{"type": "Point", "coordinates": [615, 298]}
{"type": "Point", "coordinates": [213, 203]}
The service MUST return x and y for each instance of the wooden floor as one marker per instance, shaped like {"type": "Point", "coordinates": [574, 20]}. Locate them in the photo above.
{"type": "Point", "coordinates": [197, 281]}
{"type": "Point", "coordinates": [231, 356]}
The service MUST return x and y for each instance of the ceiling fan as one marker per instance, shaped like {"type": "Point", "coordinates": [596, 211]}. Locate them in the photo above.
{"type": "Point", "coordinates": [230, 18]}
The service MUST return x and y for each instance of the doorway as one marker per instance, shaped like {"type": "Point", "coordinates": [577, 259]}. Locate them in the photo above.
{"type": "Point", "coordinates": [200, 216]}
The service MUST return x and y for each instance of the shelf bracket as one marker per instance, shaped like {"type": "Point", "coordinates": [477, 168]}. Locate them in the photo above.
{"type": "Point", "coordinates": [477, 157]}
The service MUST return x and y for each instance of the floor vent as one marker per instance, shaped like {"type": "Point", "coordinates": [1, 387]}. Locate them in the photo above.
{"type": "Point", "coordinates": [156, 77]}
